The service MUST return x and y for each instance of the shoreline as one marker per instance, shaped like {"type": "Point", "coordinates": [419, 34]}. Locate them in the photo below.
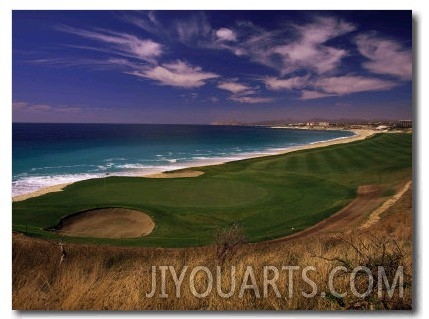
{"type": "Point", "coordinates": [359, 135]}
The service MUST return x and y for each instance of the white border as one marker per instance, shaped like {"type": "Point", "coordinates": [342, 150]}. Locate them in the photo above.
{"type": "Point", "coordinates": [6, 7]}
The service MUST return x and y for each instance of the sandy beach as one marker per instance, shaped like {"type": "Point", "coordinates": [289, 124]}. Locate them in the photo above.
{"type": "Point", "coordinates": [40, 192]}
{"type": "Point", "coordinates": [360, 135]}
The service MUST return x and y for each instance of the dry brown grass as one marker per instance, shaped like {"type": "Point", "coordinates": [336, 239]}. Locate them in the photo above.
{"type": "Point", "coordinates": [103, 277]}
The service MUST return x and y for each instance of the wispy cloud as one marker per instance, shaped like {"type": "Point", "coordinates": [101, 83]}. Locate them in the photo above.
{"type": "Point", "coordinates": [252, 42]}
{"type": "Point", "coordinates": [193, 29]}
{"type": "Point", "coordinates": [141, 57]}
{"type": "Point", "coordinates": [309, 50]}
{"type": "Point", "coordinates": [37, 108]}
{"type": "Point", "coordinates": [311, 95]}
{"type": "Point", "coordinates": [179, 74]}
{"type": "Point", "coordinates": [242, 93]}
{"type": "Point", "coordinates": [290, 48]}
{"type": "Point", "coordinates": [251, 99]}
{"type": "Point", "coordinates": [322, 86]}
{"type": "Point", "coordinates": [120, 43]}
{"type": "Point", "coordinates": [148, 22]}
{"type": "Point", "coordinates": [225, 34]}
{"type": "Point", "coordinates": [234, 87]}
{"type": "Point", "coordinates": [385, 56]}
{"type": "Point", "coordinates": [92, 63]}
{"type": "Point", "coordinates": [342, 85]}
{"type": "Point", "coordinates": [189, 31]}
{"type": "Point", "coordinates": [276, 84]}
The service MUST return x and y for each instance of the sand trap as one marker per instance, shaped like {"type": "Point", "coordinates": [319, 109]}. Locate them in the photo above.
{"type": "Point", "coordinates": [107, 223]}
{"type": "Point", "coordinates": [179, 174]}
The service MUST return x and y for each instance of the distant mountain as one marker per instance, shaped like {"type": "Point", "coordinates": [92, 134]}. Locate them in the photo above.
{"type": "Point", "coordinates": [275, 122]}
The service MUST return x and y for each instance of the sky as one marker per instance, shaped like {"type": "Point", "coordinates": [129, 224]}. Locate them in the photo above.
{"type": "Point", "coordinates": [197, 67]}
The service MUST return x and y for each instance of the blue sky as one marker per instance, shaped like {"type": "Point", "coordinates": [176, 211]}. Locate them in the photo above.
{"type": "Point", "coordinates": [205, 66]}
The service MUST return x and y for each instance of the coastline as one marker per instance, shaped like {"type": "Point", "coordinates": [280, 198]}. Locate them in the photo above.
{"type": "Point", "coordinates": [40, 192]}
{"type": "Point", "coordinates": [359, 135]}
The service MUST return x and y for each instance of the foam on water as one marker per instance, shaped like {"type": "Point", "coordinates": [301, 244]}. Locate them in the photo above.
{"type": "Point", "coordinates": [40, 163]}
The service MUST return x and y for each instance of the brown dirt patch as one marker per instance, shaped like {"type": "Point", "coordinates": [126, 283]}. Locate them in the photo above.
{"type": "Point", "coordinates": [107, 223]}
{"type": "Point", "coordinates": [350, 216]}
{"type": "Point", "coordinates": [375, 215]}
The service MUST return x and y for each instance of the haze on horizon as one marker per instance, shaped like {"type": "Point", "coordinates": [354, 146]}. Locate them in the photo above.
{"type": "Point", "coordinates": [197, 67]}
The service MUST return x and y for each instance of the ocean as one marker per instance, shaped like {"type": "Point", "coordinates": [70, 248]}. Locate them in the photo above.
{"type": "Point", "coordinates": [49, 154]}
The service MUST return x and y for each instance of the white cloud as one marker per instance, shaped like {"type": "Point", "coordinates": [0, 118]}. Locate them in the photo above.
{"type": "Point", "coordinates": [309, 51]}
{"type": "Point", "coordinates": [251, 99]}
{"type": "Point", "coordinates": [291, 48]}
{"type": "Point", "coordinates": [348, 84]}
{"type": "Point", "coordinates": [320, 59]}
{"type": "Point", "coordinates": [385, 56]}
{"type": "Point", "coordinates": [307, 48]}
{"type": "Point", "coordinates": [121, 43]}
{"type": "Point", "coordinates": [19, 106]}
{"type": "Point", "coordinates": [225, 34]}
{"type": "Point", "coordinates": [310, 95]}
{"type": "Point", "coordinates": [179, 74]}
{"type": "Point", "coordinates": [233, 87]}
{"type": "Point", "coordinates": [323, 29]}
{"type": "Point", "coordinates": [276, 84]}
{"type": "Point", "coordinates": [189, 31]}
{"type": "Point", "coordinates": [258, 47]}
{"type": "Point", "coordinates": [242, 93]}
{"type": "Point", "coordinates": [193, 29]}
{"type": "Point", "coordinates": [343, 85]}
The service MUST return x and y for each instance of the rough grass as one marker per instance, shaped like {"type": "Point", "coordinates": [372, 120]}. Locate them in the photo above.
{"type": "Point", "coordinates": [268, 197]}
{"type": "Point", "coordinates": [118, 278]}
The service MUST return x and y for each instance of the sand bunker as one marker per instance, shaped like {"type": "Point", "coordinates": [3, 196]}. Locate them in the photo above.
{"type": "Point", "coordinates": [180, 174]}
{"type": "Point", "coordinates": [107, 223]}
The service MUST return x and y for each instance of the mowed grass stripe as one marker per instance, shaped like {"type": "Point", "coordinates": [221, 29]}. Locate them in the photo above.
{"type": "Point", "coordinates": [381, 150]}
{"type": "Point", "coordinates": [312, 163]}
{"type": "Point", "coordinates": [334, 161]}
{"type": "Point", "coordinates": [291, 163]}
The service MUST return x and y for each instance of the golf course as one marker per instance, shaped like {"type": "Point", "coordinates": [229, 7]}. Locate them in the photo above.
{"type": "Point", "coordinates": [269, 197]}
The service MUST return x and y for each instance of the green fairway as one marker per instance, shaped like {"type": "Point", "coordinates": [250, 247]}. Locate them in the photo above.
{"type": "Point", "coordinates": [268, 197]}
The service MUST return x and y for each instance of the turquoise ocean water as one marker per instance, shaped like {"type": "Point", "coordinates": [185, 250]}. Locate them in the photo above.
{"type": "Point", "coordinates": [49, 154]}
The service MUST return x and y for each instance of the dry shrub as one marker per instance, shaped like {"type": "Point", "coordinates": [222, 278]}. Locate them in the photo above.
{"type": "Point", "coordinates": [228, 240]}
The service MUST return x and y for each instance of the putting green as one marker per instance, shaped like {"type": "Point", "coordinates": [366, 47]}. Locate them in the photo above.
{"type": "Point", "coordinates": [269, 197]}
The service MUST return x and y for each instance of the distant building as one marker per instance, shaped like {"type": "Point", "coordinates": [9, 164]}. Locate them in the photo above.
{"type": "Point", "coordinates": [323, 124]}
{"type": "Point", "coordinates": [404, 124]}
{"type": "Point", "coordinates": [381, 127]}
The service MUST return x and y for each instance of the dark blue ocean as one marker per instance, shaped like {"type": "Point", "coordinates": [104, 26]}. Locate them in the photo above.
{"type": "Point", "coordinates": [50, 154]}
